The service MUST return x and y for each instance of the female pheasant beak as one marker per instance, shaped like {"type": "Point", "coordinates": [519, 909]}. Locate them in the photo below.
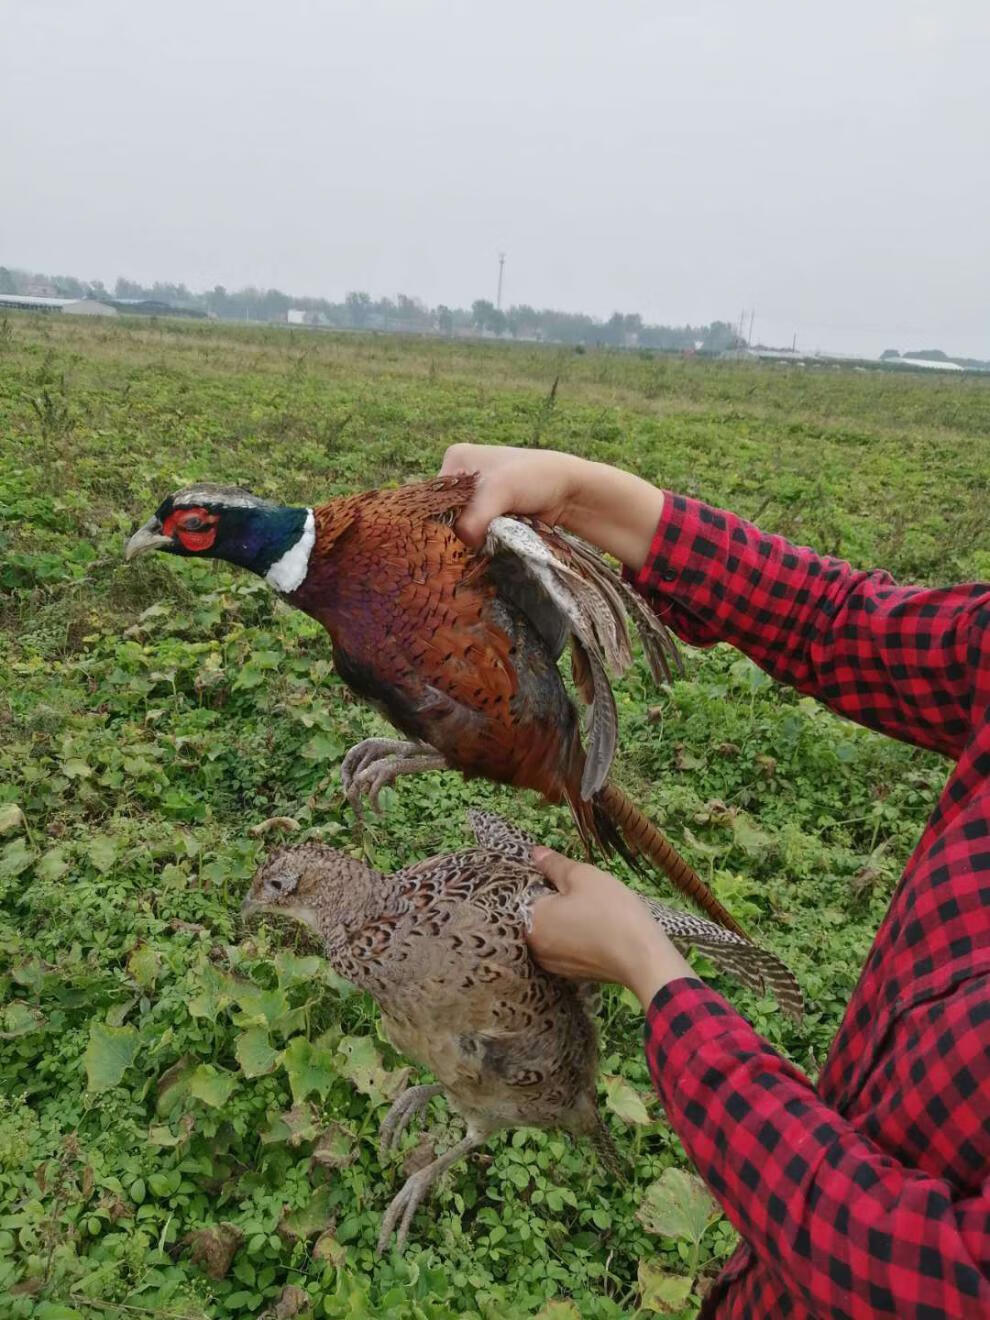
{"type": "Point", "coordinates": [148, 537]}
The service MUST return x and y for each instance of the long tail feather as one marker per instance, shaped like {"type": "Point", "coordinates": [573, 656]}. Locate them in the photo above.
{"type": "Point", "coordinates": [643, 839]}
{"type": "Point", "coordinates": [740, 958]}
{"type": "Point", "coordinates": [605, 1149]}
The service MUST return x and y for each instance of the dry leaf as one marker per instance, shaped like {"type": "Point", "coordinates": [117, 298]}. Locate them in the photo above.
{"type": "Point", "coordinates": [215, 1248]}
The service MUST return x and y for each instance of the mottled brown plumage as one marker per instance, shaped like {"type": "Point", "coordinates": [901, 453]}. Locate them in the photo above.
{"type": "Point", "coordinates": [442, 948]}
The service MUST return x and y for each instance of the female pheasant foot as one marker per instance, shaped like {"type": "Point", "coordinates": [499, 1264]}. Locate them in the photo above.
{"type": "Point", "coordinates": [376, 763]}
{"type": "Point", "coordinates": [415, 1188]}
{"type": "Point", "coordinates": [403, 1111]}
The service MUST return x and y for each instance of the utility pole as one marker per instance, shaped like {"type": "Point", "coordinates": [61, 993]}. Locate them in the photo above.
{"type": "Point", "coordinates": [501, 267]}
{"type": "Point", "coordinates": [752, 318]}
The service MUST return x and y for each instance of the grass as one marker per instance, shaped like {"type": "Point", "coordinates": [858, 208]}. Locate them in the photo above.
{"type": "Point", "coordinates": [172, 1140]}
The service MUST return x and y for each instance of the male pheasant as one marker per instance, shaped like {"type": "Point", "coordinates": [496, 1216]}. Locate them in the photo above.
{"type": "Point", "coordinates": [441, 946]}
{"type": "Point", "coordinates": [457, 649]}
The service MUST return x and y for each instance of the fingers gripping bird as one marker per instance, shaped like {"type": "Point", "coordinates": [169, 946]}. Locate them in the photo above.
{"type": "Point", "coordinates": [442, 948]}
{"type": "Point", "coordinates": [457, 648]}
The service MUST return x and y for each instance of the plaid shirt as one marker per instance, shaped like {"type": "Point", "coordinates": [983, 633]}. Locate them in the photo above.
{"type": "Point", "coordinates": [868, 1195]}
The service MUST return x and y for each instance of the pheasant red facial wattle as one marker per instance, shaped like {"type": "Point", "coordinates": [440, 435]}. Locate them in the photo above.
{"type": "Point", "coordinates": [195, 528]}
{"type": "Point", "coordinates": [457, 648]}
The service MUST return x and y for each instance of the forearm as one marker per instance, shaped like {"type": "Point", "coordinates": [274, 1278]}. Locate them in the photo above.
{"type": "Point", "coordinates": [905, 660]}
{"type": "Point", "coordinates": [843, 1223]}
{"type": "Point", "coordinates": [614, 510]}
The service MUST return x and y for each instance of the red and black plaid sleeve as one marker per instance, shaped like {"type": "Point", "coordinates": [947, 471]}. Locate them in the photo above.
{"type": "Point", "coordinates": [899, 659]}
{"type": "Point", "coordinates": [834, 1218]}
{"type": "Point", "coordinates": [869, 1194]}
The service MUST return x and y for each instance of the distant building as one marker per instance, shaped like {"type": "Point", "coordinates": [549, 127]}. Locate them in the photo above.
{"type": "Point", "coordinates": [39, 288]}
{"type": "Point", "coordinates": [152, 307]}
{"type": "Point", "coordinates": [926, 364]}
{"type": "Point", "coordinates": [25, 302]}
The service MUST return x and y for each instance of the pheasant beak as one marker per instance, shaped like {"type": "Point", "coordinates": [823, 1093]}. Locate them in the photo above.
{"type": "Point", "coordinates": [148, 537]}
{"type": "Point", "coordinates": [249, 907]}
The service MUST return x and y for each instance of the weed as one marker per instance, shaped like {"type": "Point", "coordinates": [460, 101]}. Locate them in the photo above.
{"type": "Point", "coordinates": [188, 1108]}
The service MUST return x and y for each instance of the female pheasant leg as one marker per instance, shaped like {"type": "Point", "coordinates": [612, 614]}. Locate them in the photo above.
{"type": "Point", "coordinates": [403, 1111]}
{"type": "Point", "coordinates": [415, 1188]}
{"type": "Point", "coordinates": [376, 763]}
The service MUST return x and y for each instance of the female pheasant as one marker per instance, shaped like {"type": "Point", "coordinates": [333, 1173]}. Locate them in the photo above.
{"type": "Point", "coordinates": [458, 649]}
{"type": "Point", "coordinates": [442, 948]}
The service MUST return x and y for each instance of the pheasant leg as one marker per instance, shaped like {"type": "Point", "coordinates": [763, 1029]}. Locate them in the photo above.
{"type": "Point", "coordinates": [403, 1111]}
{"type": "Point", "coordinates": [405, 1203]}
{"type": "Point", "coordinates": [376, 763]}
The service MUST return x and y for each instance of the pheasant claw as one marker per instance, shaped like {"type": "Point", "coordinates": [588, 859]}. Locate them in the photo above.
{"type": "Point", "coordinates": [403, 1111]}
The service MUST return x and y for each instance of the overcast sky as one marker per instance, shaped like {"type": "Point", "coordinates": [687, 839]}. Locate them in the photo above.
{"type": "Point", "coordinates": [827, 164]}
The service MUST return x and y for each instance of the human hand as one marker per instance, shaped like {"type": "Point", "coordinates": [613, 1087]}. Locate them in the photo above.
{"type": "Point", "coordinates": [538, 482]}
{"type": "Point", "coordinates": [595, 929]}
{"type": "Point", "coordinates": [610, 508]}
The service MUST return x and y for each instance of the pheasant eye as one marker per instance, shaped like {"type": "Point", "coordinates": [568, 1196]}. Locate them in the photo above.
{"type": "Point", "coordinates": [194, 529]}
{"type": "Point", "coordinates": [284, 884]}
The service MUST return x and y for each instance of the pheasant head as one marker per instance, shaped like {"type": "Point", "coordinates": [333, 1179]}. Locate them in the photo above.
{"type": "Point", "coordinates": [318, 886]}
{"type": "Point", "coordinates": [224, 522]}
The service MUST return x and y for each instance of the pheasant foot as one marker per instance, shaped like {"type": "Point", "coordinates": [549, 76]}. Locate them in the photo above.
{"type": "Point", "coordinates": [376, 763]}
{"type": "Point", "coordinates": [405, 1203]}
{"type": "Point", "coordinates": [403, 1111]}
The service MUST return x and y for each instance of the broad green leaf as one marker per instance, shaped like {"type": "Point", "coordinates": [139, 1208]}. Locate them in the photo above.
{"type": "Point", "coordinates": [102, 852]}
{"type": "Point", "coordinates": [215, 994]}
{"type": "Point", "coordinates": [211, 1085]}
{"type": "Point", "coordinates": [110, 1052]}
{"type": "Point", "coordinates": [323, 747]}
{"type": "Point", "coordinates": [173, 1085]}
{"type": "Point", "coordinates": [625, 1101]}
{"type": "Point", "coordinates": [249, 676]}
{"type": "Point", "coordinates": [159, 1135]}
{"type": "Point", "coordinates": [20, 1019]}
{"type": "Point", "coordinates": [677, 1205]}
{"type": "Point", "coordinates": [117, 1013]}
{"type": "Point", "coordinates": [664, 1293]}
{"type": "Point", "coordinates": [11, 818]}
{"type": "Point", "coordinates": [142, 966]}
{"type": "Point", "coordinates": [293, 970]}
{"type": "Point", "coordinates": [700, 846]}
{"type": "Point", "coordinates": [362, 1065]}
{"type": "Point", "coordinates": [295, 1126]}
{"type": "Point", "coordinates": [17, 857]}
{"type": "Point", "coordinates": [336, 1148]}
{"type": "Point", "coordinates": [326, 1247]}
{"type": "Point", "coordinates": [259, 1008]}
{"type": "Point", "coordinates": [31, 974]}
{"type": "Point", "coordinates": [308, 1220]}
{"type": "Point", "coordinates": [309, 1068]}
{"type": "Point", "coordinates": [254, 1052]}
{"type": "Point", "coordinates": [73, 768]}
{"type": "Point", "coordinates": [558, 1310]}
{"type": "Point", "coordinates": [52, 865]}
{"type": "Point", "coordinates": [749, 837]}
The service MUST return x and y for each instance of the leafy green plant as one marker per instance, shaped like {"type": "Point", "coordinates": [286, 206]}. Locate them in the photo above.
{"type": "Point", "coordinates": [188, 1108]}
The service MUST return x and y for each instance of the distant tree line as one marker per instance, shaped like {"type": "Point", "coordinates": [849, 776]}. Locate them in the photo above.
{"type": "Point", "coordinates": [359, 311]}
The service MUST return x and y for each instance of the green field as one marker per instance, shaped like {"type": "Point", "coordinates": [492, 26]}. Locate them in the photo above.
{"type": "Point", "coordinates": [172, 1086]}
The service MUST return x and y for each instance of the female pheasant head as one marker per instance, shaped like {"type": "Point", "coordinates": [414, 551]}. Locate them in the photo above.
{"type": "Point", "coordinates": [318, 886]}
{"type": "Point", "coordinates": [224, 522]}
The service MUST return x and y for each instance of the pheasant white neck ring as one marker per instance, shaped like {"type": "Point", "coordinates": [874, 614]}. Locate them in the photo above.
{"type": "Point", "coordinates": [288, 573]}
